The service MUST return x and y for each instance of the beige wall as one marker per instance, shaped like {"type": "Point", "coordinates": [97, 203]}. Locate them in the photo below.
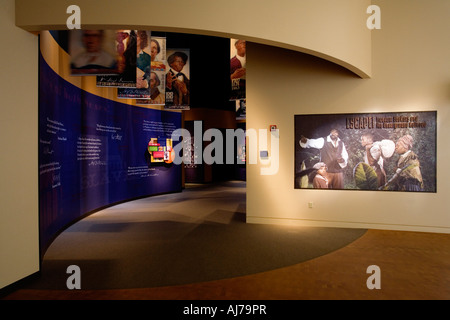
{"type": "Point", "coordinates": [331, 29]}
{"type": "Point", "coordinates": [19, 243]}
{"type": "Point", "coordinates": [411, 72]}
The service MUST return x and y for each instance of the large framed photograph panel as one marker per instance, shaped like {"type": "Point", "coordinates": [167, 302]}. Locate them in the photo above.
{"type": "Point", "coordinates": [393, 151]}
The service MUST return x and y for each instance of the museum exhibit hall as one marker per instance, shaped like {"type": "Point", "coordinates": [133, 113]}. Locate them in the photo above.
{"type": "Point", "coordinates": [241, 154]}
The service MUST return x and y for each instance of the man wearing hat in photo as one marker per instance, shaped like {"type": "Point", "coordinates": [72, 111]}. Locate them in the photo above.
{"type": "Point", "coordinates": [177, 83]}
{"type": "Point", "coordinates": [333, 154]}
{"type": "Point", "coordinates": [408, 176]}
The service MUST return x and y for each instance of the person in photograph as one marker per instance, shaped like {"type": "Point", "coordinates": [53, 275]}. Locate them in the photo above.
{"type": "Point", "coordinates": [93, 57]}
{"type": "Point", "coordinates": [408, 176]}
{"type": "Point", "coordinates": [155, 50]}
{"type": "Point", "coordinates": [155, 95]}
{"type": "Point", "coordinates": [129, 58]}
{"type": "Point", "coordinates": [333, 153]}
{"type": "Point", "coordinates": [143, 58]}
{"type": "Point", "coordinates": [176, 81]}
{"type": "Point", "coordinates": [238, 62]}
{"type": "Point", "coordinates": [320, 180]}
{"type": "Point", "coordinates": [121, 37]}
{"type": "Point", "coordinates": [375, 153]}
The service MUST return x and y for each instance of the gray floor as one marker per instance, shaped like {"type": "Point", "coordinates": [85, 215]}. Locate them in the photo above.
{"type": "Point", "coordinates": [197, 235]}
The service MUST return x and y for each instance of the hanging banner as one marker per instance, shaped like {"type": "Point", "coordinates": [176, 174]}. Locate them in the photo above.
{"type": "Point", "coordinates": [140, 90]}
{"type": "Point", "coordinates": [158, 53]}
{"type": "Point", "coordinates": [93, 52]}
{"type": "Point", "coordinates": [237, 68]}
{"type": "Point", "coordinates": [177, 79]}
{"type": "Point", "coordinates": [156, 79]}
{"type": "Point", "coordinates": [366, 151]}
{"type": "Point", "coordinates": [126, 52]}
{"type": "Point", "coordinates": [150, 71]}
{"type": "Point", "coordinates": [143, 58]}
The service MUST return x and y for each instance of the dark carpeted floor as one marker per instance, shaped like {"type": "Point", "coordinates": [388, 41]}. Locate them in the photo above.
{"type": "Point", "coordinates": [194, 236]}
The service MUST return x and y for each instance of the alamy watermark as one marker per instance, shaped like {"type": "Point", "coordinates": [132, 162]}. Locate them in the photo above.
{"type": "Point", "coordinates": [74, 280]}
{"type": "Point", "coordinates": [213, 153]}
{"type": "Point", "coordinates": [374, 281]}
{"type": "Point", "coordinates": [374, 21]}
{"type": "Point", "coordinates": [74, 20]}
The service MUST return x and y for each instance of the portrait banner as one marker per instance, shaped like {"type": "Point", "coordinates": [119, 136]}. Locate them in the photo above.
{"type": "Point", "coordinates": [178, 79]}
{"type": "Point", "coordinates": [393, 151]}
{"type": "Point", "coordinates": [237, 68]}
{"type": "Point", "coordinates": [126, 53]}
{"type": "Point", "coordinates": [142, 69]}
{"type": "Point", "coordinates": [150, 71]}
{"type": "Point", "coordinates": [157, 77]}
{"type": "Point", "coordinates": [158, 53]}
{"type": "Point", "coordinates": [93, 52]}
{"type": "Point", "coordinates": [143, 58]}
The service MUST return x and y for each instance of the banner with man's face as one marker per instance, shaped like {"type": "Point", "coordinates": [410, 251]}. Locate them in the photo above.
{"type": "Point", "coordinates": [238, 69]}
{"type": "Point", "coordinates": [178, 89]}
{"type": "Point", "coordinates": [150, 71]}
{"type": "Point", "coordinates": [93, 52]}
{"type": "Point", "coordinates": [126, 61]}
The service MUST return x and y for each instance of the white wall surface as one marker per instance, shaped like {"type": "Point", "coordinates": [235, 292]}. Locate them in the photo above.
{"type": "Point", "coordinates": [19, 243]}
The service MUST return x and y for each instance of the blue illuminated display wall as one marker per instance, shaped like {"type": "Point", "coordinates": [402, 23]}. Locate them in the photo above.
{"type": "Point", "coordinates": [93, 152]}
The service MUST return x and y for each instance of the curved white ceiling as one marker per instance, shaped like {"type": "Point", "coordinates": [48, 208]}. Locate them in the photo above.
{"type": "Point", "coordinates": [330, 29]}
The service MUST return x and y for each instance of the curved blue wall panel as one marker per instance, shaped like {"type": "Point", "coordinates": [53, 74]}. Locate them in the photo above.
{"type": "Point", "coordinates": [93, 153]}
